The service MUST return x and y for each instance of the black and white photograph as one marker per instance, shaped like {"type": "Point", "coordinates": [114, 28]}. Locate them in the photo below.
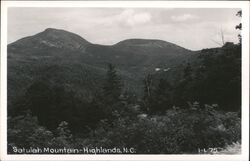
{"type": "Point", "coordinates": [110, 80]}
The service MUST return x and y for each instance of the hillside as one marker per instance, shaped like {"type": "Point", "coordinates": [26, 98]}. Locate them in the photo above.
{"type": "Point", "coordinates": [62, 56]}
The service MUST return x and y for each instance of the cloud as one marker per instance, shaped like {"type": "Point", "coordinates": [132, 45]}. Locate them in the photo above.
{"type": "Point", "coordinates": [125, 18]}
{"type": "Point", "coordinates": [131, 18]}
{"type": "Point", "coordinates": [184, 17]}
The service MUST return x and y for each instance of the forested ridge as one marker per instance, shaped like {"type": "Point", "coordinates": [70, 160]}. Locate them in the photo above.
{"type": "Point", "coordinates": [193, 103]}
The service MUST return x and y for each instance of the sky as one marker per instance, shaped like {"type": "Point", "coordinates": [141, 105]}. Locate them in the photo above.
{"type": "Point", "coordinates": [191, 28]}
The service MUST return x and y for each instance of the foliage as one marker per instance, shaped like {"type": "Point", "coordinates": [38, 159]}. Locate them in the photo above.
{"type": "Point", "coordinates": [25, 132]}
{"type": "Point", "coordinates": [157, 98]}
{"type": "Point", "coordinates": [51, 103]}
{"type": "Point", "coordinates": [148, 92]}
{"type": "Point", "coordinates": [20, 128]}
{"type": "Point", "coordinates": [218, 79]}
{"type": "Point", "coordinates": [108, 102]}
{"type": "Point", "coordinates": [214, 79]}
{"type": "Point", "coordinates": [234, 148]}
{"type": "Point", "coordinates": [178, 131]}
{"type": "Point", "coordinates": [112, 85]}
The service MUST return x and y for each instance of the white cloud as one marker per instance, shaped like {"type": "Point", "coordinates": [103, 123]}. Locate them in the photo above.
{"type": "Point", "coordinates": [184, 17]}
{"type": "Point", "coordinates": [125, 18]}
{"type": "Point", "coordinates": [130, 18]}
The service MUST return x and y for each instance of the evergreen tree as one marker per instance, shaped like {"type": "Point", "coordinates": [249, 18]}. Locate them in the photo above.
{"type": "Point", "coordinates": [109, 100]}
{"type": "Point", "coordinates": [112, 86]}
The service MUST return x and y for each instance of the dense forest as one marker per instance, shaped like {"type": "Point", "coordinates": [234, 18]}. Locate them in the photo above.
{"type": "Point", "coordinates": [199, 109]}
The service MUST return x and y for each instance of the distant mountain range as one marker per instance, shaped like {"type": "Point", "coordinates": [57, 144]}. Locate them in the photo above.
{"type": "Point", "coordinates": [59, 56]}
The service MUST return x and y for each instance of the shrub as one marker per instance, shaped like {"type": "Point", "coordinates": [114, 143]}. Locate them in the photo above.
{"type": "Point", "coordinates": [178, 131]}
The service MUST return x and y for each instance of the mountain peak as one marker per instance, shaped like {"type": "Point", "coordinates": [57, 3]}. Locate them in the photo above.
{"type": "Point", "coordinates": [149, 44]}
{"type": "Point", "coordinates": [140, 41]}
{"type": "Point", "coordinates": [56, 31]}
{"type": "Point", "coordinates": [57, 38]}
{"type": "Point", "coordinates": [62, 38]}
{"type": "Point", "coordinates": [52, 29]}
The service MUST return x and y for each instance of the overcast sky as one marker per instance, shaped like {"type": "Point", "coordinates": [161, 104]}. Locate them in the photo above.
{"type": "Point", "coordinates": [190, 28]}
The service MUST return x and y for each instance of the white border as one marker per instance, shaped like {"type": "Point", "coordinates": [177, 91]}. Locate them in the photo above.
{"type": "Point", "coordinates": [244, 5]}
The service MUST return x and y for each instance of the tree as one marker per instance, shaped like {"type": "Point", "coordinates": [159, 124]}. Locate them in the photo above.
{"type": "Point", "coordinates": [187, 72]}
{"type": "Point", "coordinates": [218, 78]}
{"type": "Point", "coordinates": [239, 14]}
{"type": "Point", "coordinates": [51, 103]}
{"type": "Point", "coordinates": [112, 87]}
{"type": "Point", "coordinates": [148, 92]}
{"type": "Point", "coordinates": [24, 132]}
{"type": "Point", "coordinates": [163, 98]}
{"type": "Point", "coordinates": [183, 88]}
{"type": "Point", "coordinates": [106, 103]}
{"type": "Point", "coordinates": [157, 95]}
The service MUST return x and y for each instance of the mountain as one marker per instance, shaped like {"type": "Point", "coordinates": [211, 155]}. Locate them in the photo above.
{"type": "Point", "coordinates": [147, 46]}
{"type": "Point", "coordinates": [53, 38]}
{"type": "Point", "coordinates": [59, 56]}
